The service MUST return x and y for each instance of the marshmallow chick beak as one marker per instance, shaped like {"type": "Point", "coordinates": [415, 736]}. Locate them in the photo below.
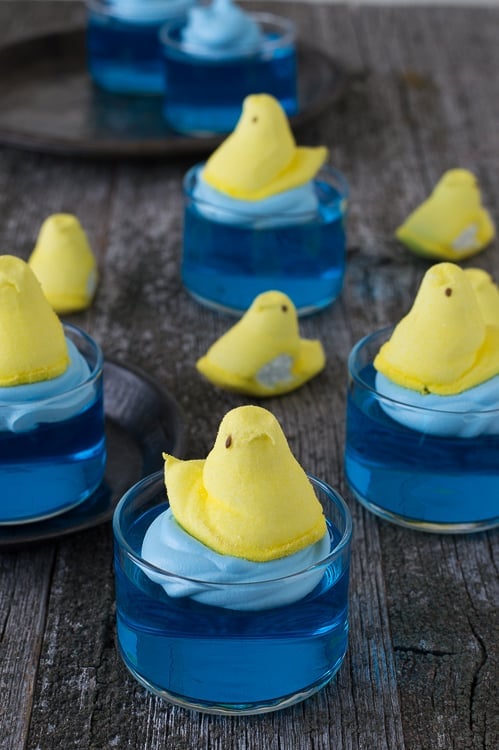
{"type": "Point", "coordinates": [64, 264]}
{"type": "Point", "coordinates": [250, 498]}
{"type": "Point", "coordinates": [33, 345]}
{"type": "Point", "coordinates": [487, 294]}
{"type": "Point", "coordinates": [451, 224]}
{"type": "Point", "coordinates": [263, 354]}
{"type": "Point", "coordinates": [260, 157]}
{"type": "Point", "coordinates": [443, 345]}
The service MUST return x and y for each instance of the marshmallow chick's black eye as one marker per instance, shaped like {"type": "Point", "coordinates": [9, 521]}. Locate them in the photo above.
{"type": "Point", "coordinates": [228, 442]}
{"type": "Point", "coordinates": [284, 308]}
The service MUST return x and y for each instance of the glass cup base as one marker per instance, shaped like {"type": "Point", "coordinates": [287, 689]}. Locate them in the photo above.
{"type": "Point", "coordinates": [230, 709]}
{"type": "Point", "coordinates": [431, 527]}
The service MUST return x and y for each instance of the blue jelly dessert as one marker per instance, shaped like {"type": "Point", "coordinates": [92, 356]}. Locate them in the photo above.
{"type": "Point", "coordinates": [232, 589]}
{"type": "Point", "coordinates": [52, 443]}
{"type": "Point", "coordinates": [220, 55]}
{"type": "Point", "coordinates": [264, 213]}
{"type": "Point", "coordinates": [123, 49]}
{"type": "Point", "coordinates": [422, 438]}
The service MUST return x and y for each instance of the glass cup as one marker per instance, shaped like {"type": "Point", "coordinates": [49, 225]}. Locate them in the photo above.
{"type": "Point", "coordinates": [221, 660]}
{"type": "Point", "coordinates": [230, 258]}
{"type": "Point", "coordinates": [204, 94]}
{"type": "Point", "coordinates": [123, 49]}
{"type": "Point", "coordinates": [413, 469]}
{"type": "Point", "coordinates": [53, 454]}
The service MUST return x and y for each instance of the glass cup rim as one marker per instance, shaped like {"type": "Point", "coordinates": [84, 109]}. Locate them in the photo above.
{"type": "Point", "coordinates": [355, 375]}
{"type": "Point", "coordinates": [286, 26]}
{"type": "Point", "coordinates": [156, 477]}
{"type": "Point", "coordinates": [336, 178]}
{"type": "Point", "coordinates": [94, 370]}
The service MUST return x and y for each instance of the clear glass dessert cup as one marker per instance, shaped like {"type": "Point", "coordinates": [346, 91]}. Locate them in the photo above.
{"type": "Point", "coordinates": [228, 259]}
{"type": "Point", "coordinates": [123, 49]}
{"type": "Point", "coordinates": [204, 94]}
{"type": "Point", "coordinates": [56, 460]}
{"type": "Point", "coordinates": [403, 471]}
{"type": "Point", "coordinates": [219, 660]}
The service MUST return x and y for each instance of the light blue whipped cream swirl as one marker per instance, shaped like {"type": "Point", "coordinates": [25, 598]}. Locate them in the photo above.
{"type": "Point", "coordinates": [148, 11]}
{"type": "Point", "coordinates": [220, 30]}
{"type": "Point", "coordinates": [23, 407]}
{"type": "Point", "coordinates": [295, 206]}
{"type": "Point", "coordinates": [235, 583]}
{"type": "Point", "coordinates": [465, 415]}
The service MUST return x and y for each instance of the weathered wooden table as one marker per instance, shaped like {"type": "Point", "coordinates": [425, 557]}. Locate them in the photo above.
{"type": "Point", "coordinates": [422, 96]}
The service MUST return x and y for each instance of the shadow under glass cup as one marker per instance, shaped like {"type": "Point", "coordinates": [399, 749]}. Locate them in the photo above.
{"type": "Point", "coordinates": [229, 258]}
{"type": "Point", "coordinates": [53, 450]}
{"type": "Point", "coordinates": [413, 470]}
{"type": "Point", "coordinates": [204, 93]}
{"type": "Point", "coordinates": [123, 48]}
{"type": "Point", "coordinates": [220, 660]}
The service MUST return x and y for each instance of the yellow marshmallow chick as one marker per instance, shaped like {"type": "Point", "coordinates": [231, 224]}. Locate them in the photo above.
{"type": "Point", "coordinates": [451, 224]}
{"type": "Point", "coordinates": [443, 345]}
{"type": "Point", "coordinates": [33, 347]}
{"type": "Point", "coordinates": [487, 294]}
{"type": "Point", "coordinates": [64, 264]}
{"type": "Point", "coordinates": [260, 157]}
{"type": "Point", "coordinates": [250, 497]}
{"type": "Point", "coordinates": [263, 354]}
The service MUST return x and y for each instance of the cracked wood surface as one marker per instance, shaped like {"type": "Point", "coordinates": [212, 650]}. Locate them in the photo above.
{"type": "Point", "coordinates": [421, 671]}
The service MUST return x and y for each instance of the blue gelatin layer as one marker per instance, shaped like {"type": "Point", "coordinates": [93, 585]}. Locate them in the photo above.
{"type": "Point", "coordinates": [53, 467]}
{"type": "Point", "coordinates": [205, 95]}
{"type": "Point", "coordinates": [124, 56]}
{"type": "Point", "coordinates": [228, 265]}
{"type": "Point", "coordinates": [213, 656]}
{"type": "Point", "coordinates": [418, 477]}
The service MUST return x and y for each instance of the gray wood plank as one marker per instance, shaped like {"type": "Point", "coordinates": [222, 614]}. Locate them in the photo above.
{"type": "Point", "coordinates": [420, 670]}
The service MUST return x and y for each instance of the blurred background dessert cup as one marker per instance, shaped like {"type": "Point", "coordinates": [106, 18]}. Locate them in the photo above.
{"type": "Point", "coordinates": [220, 55]}
{"type": "Point", "coordinates": [123, 48]}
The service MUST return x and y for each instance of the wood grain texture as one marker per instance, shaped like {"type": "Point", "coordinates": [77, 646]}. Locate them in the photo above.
{"type": "Point", "coordinates": [421, 670]}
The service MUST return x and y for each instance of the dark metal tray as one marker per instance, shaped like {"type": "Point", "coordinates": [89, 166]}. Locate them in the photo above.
{"type": "Point", "coordinates": [49, 104]}
{"type": "Point", "coordinates": [142, 421]}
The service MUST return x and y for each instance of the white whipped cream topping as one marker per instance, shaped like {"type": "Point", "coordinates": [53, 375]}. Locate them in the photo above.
{"type": "Point", "coordinates": [23, 407]}
{"type": "Point", "coordinates": [294, 206]}
{"type": "Point", "coordinates": [148, 11]}
{"type": "Point", "coordinates": [465, 415]}
{"type": "Point", "coordinates": [220, 30]}
{"type": "Point", "coordinates": [235, 583]}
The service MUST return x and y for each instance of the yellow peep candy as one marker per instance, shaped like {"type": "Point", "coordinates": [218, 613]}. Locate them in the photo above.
{"type": "Point", "coordinates": [33, 346]}
{"type": "Point", "coordinates": [487, 294]}
{"type": "Point", "coordinates": [263, 354]}
{"type": "Point", "coordinates": [451, 224]}
{"type": "Point", "coordinates": [249, 498]}
{"type": "Point", "coordinates": [64, 264]}
{"type": "Point", "coordinates": [443, 345]}
{"type": "Point", "coordinates": [260, 158]}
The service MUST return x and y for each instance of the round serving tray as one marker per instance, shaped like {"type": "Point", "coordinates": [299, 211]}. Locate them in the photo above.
{"type": "Point", "coordinates": [49, 103]}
